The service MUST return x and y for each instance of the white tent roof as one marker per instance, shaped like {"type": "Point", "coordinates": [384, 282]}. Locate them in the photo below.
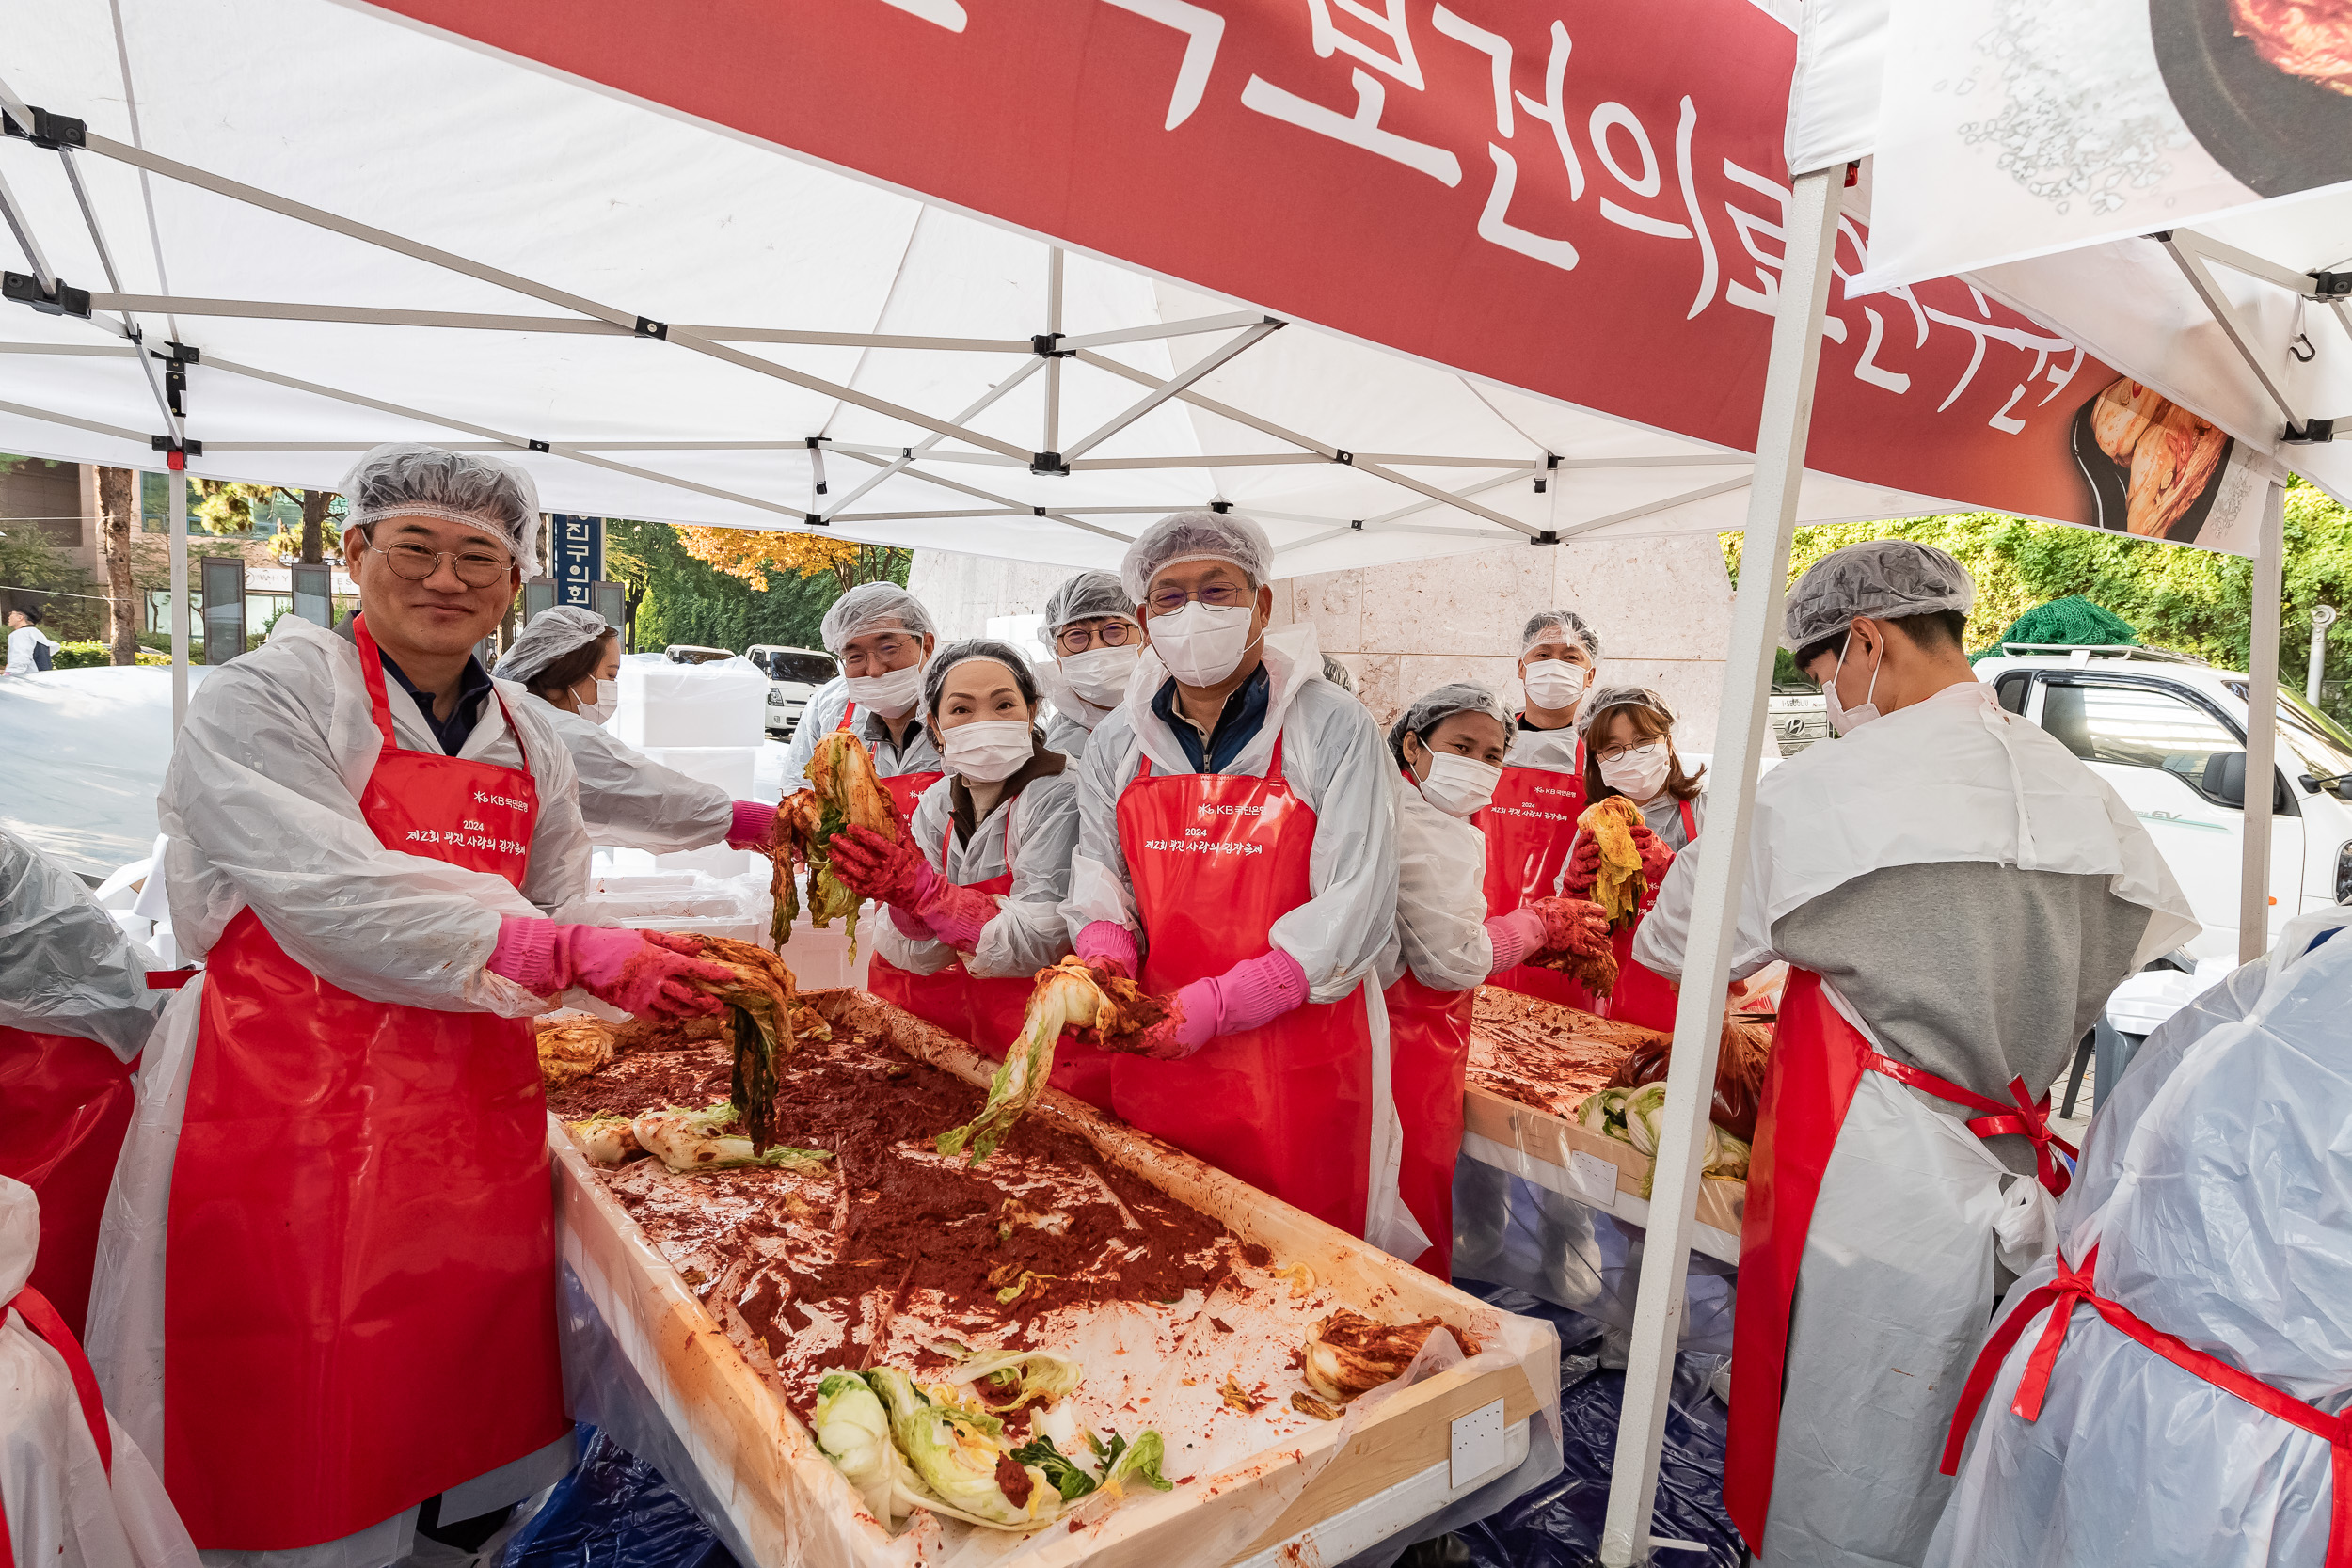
{"type": "Point", "coordinates": [837, 308]}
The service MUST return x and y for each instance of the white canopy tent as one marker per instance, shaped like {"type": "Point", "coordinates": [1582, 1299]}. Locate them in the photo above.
{"type": "Point", "coordinates": [2223, 288]}
{"type": "Point", "coordinates": [498, 258]}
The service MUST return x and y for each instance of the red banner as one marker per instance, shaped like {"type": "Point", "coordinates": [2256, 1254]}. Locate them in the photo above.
{"type": "Point", "coordinates": [1581, 199]}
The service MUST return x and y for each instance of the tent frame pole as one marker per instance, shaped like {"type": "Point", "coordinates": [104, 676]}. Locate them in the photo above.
{"type": "Point", "coordinates": [2261, 730]}
{"type": "Point", "coordinates": [177, 547]}
{"type": "Point", "coordinates": [1780, 443]}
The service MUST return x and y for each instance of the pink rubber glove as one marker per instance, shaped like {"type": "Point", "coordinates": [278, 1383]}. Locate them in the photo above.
{"type": "Point", "coordinates": [1572, 926]}
{"type": "Point", "coordinates": [753, 826]}
{"type": "Point", "coordinates": [1108, 946]}
{"type": "Point", "coordinates": [638, 972]}
{"type": "Point", "coordinates": [1656, 857]}
{"type": "Point", "coordinates": [1515, 936]}
{"type": "Point", "coordinates": [1584, 868]}
{"type": "Point", "coordinates": [889, 871]}
{"type": "Point", "coordinates": [1254, 991]}
{"type": "Point", "coordinates": [945, 912]}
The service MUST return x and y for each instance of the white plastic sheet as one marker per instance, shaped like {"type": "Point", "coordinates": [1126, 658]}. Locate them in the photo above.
{"type": "Point", "coordinates": [721, 703]}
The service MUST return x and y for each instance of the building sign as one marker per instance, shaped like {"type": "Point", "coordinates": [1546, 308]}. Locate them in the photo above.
{"type": "Point", "coordinates": [575, 557]}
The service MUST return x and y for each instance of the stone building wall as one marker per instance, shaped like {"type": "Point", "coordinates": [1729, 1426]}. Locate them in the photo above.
{"type": "Point", "coordinates": [1661, 604]}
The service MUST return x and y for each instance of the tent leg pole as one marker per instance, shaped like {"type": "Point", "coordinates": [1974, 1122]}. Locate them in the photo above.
{"type": "Point", "coordinates": [1053, 366]}
{"type": "Point", "coordinates": [1780, 444]}
{"type": "Point", "coordinates": [177, 520]}
{"type": "Point", "coordinates": [2261, 732]}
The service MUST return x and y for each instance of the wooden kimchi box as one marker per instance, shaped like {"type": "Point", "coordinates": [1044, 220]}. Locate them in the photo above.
{"type": "Point", "coordinates": [1247, 1479]}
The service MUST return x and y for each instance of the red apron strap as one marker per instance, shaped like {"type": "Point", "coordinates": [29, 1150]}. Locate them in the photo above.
{"type": "Point", "coordinates": [2026, 1118]}
{"type": "Point", "coordinates": [1690, 825]}
{"type": "Point", "coordinates": [42, 1319]}
{"type": "Point", "coordinates": [2074, 1286]}
{"type": "Point", "coordinates": [371, 666]}
{"type": "Point", "coordinates": [848, 716]}
{"type": "Point", "coordinates": [170, 979]}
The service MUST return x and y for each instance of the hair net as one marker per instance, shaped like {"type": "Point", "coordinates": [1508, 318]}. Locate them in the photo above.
{"type": "Point", "coordinates": [872, 606]}
{"type": "Point", "coordinates": [1433, 708]}
{"type": "Point", "coordinates": [1885, 578]}
{"type": "Point", "coordinates": [566, 628]}
{"type": "Point", "coordinates": [1196, 536]}
{"type": "Point", "coordinates": [1560, 626]}
{"type": "Point", "coordinates": [936, 678]}
{"type": "Point", "coordinates": [1603, 697]}
{"type": "Point", "coordinates": [407, 479]}
{"type": "Point", "coordinates": [1088, 596]}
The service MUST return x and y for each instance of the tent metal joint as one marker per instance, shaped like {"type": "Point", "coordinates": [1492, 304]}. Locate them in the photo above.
{"type": "Point", "coordinates": [63, 300]}
{"type": "Point", "coordinates": [181, 449]}
{"type": "Point", "coordinates": [1048, 463]}
{"type": "Point", "coordinates": [1343, 456]}
{"type": "Point", "coordinates": [539, 445]}
{"type": "Point", "coordinates": [1551, 466]}
{"type": "Point", "coordinates": [2309, 433]}
{"type": "Point", "coordinates": [815, 519]}
{"type": "Point", "coordinates": [1047, 345]}
{"type": "Point", "coordinates": [2331, 285]}
{"type": "Point", "coordinates": [47, 130]}
{"type": "Point", "coordinates": [648, 327]}
{"type": "Point", "coordinates": [1548, 537]}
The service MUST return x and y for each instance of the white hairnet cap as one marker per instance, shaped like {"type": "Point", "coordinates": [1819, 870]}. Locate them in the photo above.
{"type": "Point", "coordinates": [1196, 536]}
{"type": "Point", "coordinates": [964, 652]}
{"type": "Point", "coordinates": [873, 606]}
{"type": "Point", "coordinates": [1088, 596]}
{"type": "Point", "coordinates": [1560, 626]}
{"type": "Point", "coordinates": [408, 479]}
{"type": "Point", "coordinates": [563, 630]}
{"type": "Point", "coordinates": [1888, 578]}
{"type": "Point", "coordinates": [1432, 708]}
{"type": "Point", "coordinates": [1601, 699]}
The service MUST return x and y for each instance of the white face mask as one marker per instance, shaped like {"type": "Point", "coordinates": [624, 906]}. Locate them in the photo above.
{"type": "Point", "coordinates": [1199, 645]}
{"type": "Point", "coordinates": [606, 704]}
{"type": "Point", "coordinates": [892, 695]}
{"type": "Point", "coordinates": [1844, 719]}
{"type": "Point", "coordinates": [1554, 682]}
{"type": "Point", "coordinates": [1459, 785]}
{"type": "Point", "coordinates": [1638, 776]}
{"type": "Point", "coordinates": [987, 750]}
{"type": "Point", "coordinates": [1098, 676]}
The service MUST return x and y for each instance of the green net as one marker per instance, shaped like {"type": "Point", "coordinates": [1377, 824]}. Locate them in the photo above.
{"type": "Point", "coordinates": [2073, 621]}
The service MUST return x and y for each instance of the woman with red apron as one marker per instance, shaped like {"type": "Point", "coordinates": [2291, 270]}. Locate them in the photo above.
{"type": "Point", "coordinates": [1531, 824]}
{"type": "Point", "coordinates": [973, 891]}
{"type": "Point", "coordinates": [1629, 731]}
{"type": "Point", "coordinates": [327, 1287]}
{"type": "Point", "coordinates": [76, 1009]}
{"type": "Point", "coordinates": [1449, 748]}
{"type": "Point", "coordinates": [1254, 891]}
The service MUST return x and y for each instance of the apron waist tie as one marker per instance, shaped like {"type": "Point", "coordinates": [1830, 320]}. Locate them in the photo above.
{"type": "Point", "coordinates": [2072, 1288]}
{"type": "Point", "coordinates": [2027, 1118]}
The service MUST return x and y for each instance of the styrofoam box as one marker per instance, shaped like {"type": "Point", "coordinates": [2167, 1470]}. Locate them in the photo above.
{"type": "Point", "coordinates": [721, 703]}
{"type": "Point", "coordinates": [727, 768]}
{"type": "Point", "coordinates": [681, 901]}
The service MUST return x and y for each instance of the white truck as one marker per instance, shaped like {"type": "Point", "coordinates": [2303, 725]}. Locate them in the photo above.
{"type": "Point", "coordinates": [2168, 731]}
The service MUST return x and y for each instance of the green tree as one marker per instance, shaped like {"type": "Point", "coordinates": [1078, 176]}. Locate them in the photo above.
{"type": "Point", "coordinates": [688, 600]}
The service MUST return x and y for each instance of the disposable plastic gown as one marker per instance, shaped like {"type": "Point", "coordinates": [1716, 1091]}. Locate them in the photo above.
{"type": "Point", "coordinates": [2216, 1193]}
{"type": "Point", "coordinates": [70, 969]}
{"type": "Point", "coordinates": [1335, 760]}
{"type": "Point", "coordinates": [627, 798]}
{"type": "Point", "coordinates": [1028, 933]}
{"type": "Point", "coordinates": [63, 1508]}
{"type": "Point", "coordinates": [1440, 929]}
{"type": "Point", "coordinates": [1066, 733]}
{"type": "Point", "coordinates": [823, 716]}
{"type": "Point", "coordinates": [261, 808]}
{"type": "Point", "coordinates": [1551, 748]}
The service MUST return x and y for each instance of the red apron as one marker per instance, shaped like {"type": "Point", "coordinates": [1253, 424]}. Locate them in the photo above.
{"type": "Point", "coordinates": [933, 998]}
{"type": "Point", "coordinates": [68, 1103]}
{"type": "Point", "coordinates": [360, 1277]}
{"type": "Point", "coordinates": [1818, 1061]}
{"type": "Point", "coordinates": [1643, 995]}
{"type": "Point", "coordinates": [1428, 1057]}
{"type": "Point", "coordinates": [1216, 860]}
{"type": "Point", "coordinates": [48, 1325]}
{"type": "Point", "coordinates": [2074, 1288]}
{"type": "Point", "coordinates": [1528, 827]}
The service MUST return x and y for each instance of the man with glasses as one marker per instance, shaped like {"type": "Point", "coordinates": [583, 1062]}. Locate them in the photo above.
{"type": "Point", "coordinates": [1093, 633]}
{"type": "Point", "coordinates": [326, 1286]}
{"type": "Point", "coordinates": [883, 638]}
{"type": "Point", "coordinates": [1237, 855]}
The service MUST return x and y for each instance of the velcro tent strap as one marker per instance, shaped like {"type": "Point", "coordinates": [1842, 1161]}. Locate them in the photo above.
{"type": "Point", "coordinates": [42, 1318]}
{"type": "Point", "coordinates": [2027, 1118]}
{"type": "Point", "coordinates": [2072, 1288]}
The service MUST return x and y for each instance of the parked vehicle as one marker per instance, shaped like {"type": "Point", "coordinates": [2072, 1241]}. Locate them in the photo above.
{"type": "Point", "coordinates": [2168, 731]}
{"type": "Point", "coordinates": [794, 674]}
{"type": "Point", "coordinates": [1799, 715]}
